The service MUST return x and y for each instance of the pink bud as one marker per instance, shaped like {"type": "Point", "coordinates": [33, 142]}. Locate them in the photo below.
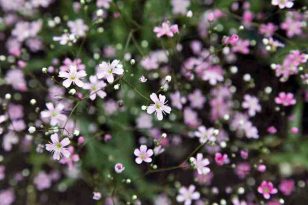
{"type": "Point", "coordinates": [272, 130]}
{"type": "Point", "coordinates": [244, 154]}
{"type": "Point", "coordinates": [81, 140]}
{"type": "Point", "coordinates": [261, 168]}
{"type": "Point", "coordinates": [294, 130]}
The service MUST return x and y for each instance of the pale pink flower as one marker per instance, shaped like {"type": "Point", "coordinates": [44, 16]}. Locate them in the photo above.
{"type": "Point", "coordinates": [292, 26]}
{"type": "Point", "coordinates": [187, 195]}
{"type": "Point", "coordinates": [7, 197]}
{"type": "Point", "coordinates": [144, 121]}
{"type": "Point", "coordinates": [103, 3]}
{"type": "Point", "coordinates": [196, 99]}
{"type": "Point", "coordinates": [96, 88]}
{"type": "Point", "coordinates": [285, 99]}
{"type": "Point", "coordinates": [42, 181]}
{"type": "Point", "coordinates": [266, 189]}
{"type": "Point", "coordinates": [72, 76]}
{"type": "Point", "coordinates": [268, 29]}
{"type": "Point", "coordinates": [283, 3]}
{"type": "Point", "coordinates": [205, 134]}
{"type": "Point", "coordinates": [143, 154]}
{"type": "Point", "coordinates": [159, 106]}
{"type": "Point", "coordinates": [241, 46]}
{"type": "Point", "coordinates": [287, 186]}
{"type": "Point", "coordinates": [166, 30]}
{"type": "Point", "coordinates": [97, 195]}
{"type": "Point", "coordinates": [119, 168]}
{"type": "Point", "coordinates": [201, 164]}
{"type": "Point", "coordinates": [252, 104]}
{"type": "Point", "coordinates": [177, 100]}
{"type": "Point", "coordinates": [180, 6]}
{"type": "Point", "coordinates": [232, 40]}
{"type": "Point", "coordinates": [54, 114]}
{"type": "Point", "coordinates": [213, 75]}
{"type": "Point", "coordinates": [78, 27]}
{"type": "Point", "coordinates": [107, 70]}
{"type": "Point", "coordinates": [58, 147]}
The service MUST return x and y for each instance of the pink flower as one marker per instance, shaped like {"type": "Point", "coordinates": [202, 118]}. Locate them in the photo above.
{"type": "Point", "coordinates": [292, 26]}
{"type": "Point", "coordinates": [287, 186]}
{"type": "Point", "coordinates": [266, 189]}
{"type": "Point", "coordinates": [187, 195]}
{"type": "Point", "coordinates": [143, 154]}
{"type": "Point", "coordinates": [119, 168]}
{"type": "Point", "coordinates": [242, 46]}
{"type": "Point", "coordinates": [268, 29]}
{"type": "Point", "coordinates": [97, 195]}
{"type": "Point", "coordinates": [251, 103]}
{"type": "Point", "coordinates": [272, 130]}
{"type": "Point", "coordinates": [7, 197]}
{"type": "Point", "coordinates": [232, 40]}
{"type": "Point", "coordinates": [177, 100]}
{"type": "Point", "coordinates": [72, 76]}
{"type": "Point", "coordinates": [180, 6]}
{"type": "Point", "coordinates": [201, 164]}
{"type": "Point", "coordinates": [285, 99]}
{"type": "Point", "coordinates": [196, 99]}
{"type": "Point", "coordinates": [42, 181]}
{"type": "Point", "coordinates": [107, 70]}
{"type": "Point", "coordinates": [54, 114]}
{"type": "Point", "coordinates": [96, 88]}
{"type": "Point", "coordinates": [221, 159]}
{"type": "Point", "coordinates": [166, 29]}
{"type": "Point", "coordinates": [58, 147]}
{"type": "Point", "coordinates": [205, 134]}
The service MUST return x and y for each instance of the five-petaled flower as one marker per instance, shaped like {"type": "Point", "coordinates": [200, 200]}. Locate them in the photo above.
{"type": "Point", "coordinates": [187, 195]}
{"type": "Point", "coordinates": [107, 70]}
{"type": "Point", "coordinates": [166, 29]}
{"type": "Point", "coordinates": [159, 106]}
{"type": "Point", "coordinates": [205, 134]}
{"type": "Point", "coordinates": [58, 147]}
{"type": "Point", "coordinates": [267, 188]}
{"type": "Point", "coordinates": [285, 99]}
{"type": "Point", "coordinates": [73, 75]}
{"type": "Point", "coordinates": [96, 88]}
{"type": "Point", "coordinates": [54, 114]}
{"type": "Point", "coordinates": [143, 154]}
{"type": "Point", "coordinates": [201, 164]}
{"type": "Point", "coordinates": [283, 3]}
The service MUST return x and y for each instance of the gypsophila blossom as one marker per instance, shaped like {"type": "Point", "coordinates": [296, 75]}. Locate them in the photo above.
{"type": "Point", "coordinates": [58, 148]}
{"type": "Point", "coordinates": [97, 196]}
{"type": "Point", "coordinates": [54, 114]}
{"type": "Point", "coordinates": [252, 104]}
{"type": "Point", "coordinates": [119, 168]}
{"type": "Point", "coordinates": [72, 76]}
{"type": "Point", "coordinates": [143, 154]}
{"type": "Point", "coordinates": [201, 164]}
{"type": "Point", "coordinates": [285, 99]}
{"type": "Point", "coordinates": [166, 29]}
{"type": "Point", "coordinates": [95, 87]}
{"type": "Point", "coordinates": [187, 195]}
{"type": "Point", "coordinates": [159, 106]}
{"type": "Point", "coordinates": [107, 70]}
{"type": "Point", "coordinates": [206, 134]}
{"type": "Point", "coordinates": [267, 189]}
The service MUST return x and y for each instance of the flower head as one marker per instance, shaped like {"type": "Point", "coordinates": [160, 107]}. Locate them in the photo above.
{"type": "Point", "coordinates": [285, 99]}
{"type": "Point", "coordinates": [166, 30]}
{"type": "Point", "coordinates": [201, 164]}
{"type": "Point", "coordinates": [54, 114]}
{"type": "Point", "coordinates": [143, 154]}
{"type": "Point", "coordinates": [73, 75]}
{"type": "Point", "coordinates": [283, 3]}
{"type": "Point", "coordinates": [205, 134]}
{"type": "Point", "coordinates": [266, 189]}
{"type": "Point", "coordinates": [159, 106]}
{"type": "Point", "coordinates": [187, 195]}
{"type": "Point", "coordinates": [58, 147]}
{"type": "Point", "coordinates": [107, 70]}
{"type": "Point", "coordinates": [96, 88]}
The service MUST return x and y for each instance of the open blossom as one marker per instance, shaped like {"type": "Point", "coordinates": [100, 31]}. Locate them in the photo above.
{"type": "Point", "coordinates": [221, 159]}
{"type": "Point", "coordinates": [143, 154]}
{"type": "Point", "coordinates": [187, 195]}
{"type": "Point", "coordinates": [54, 114]}
{"type": "Point", "coordinates": [180, 6]}
{"type": "Point", "coordinates": [283, 3]}
{"type": "Point", "coordinates": [251, 103]}
{"type": "Point", "coordinates": [96, 88]}
{"type": "Point", "coordinates": [107, 70]}
{"type": "Point", "coordinates": [266, 189]}
{"type": "Point", "coordinates": [72, 76]}
{"type": "Point", "coordinates": [119, 168]}
{"type": "Point", "coordinates": [78, 27]}
{"type": "Point", "coordinates": [97, 195]}
{"type": "Point", "coordinates": [159, 106]}
{"type": "Point", "coordinates": [230, 39]}
{"type": "Point", "coordinates": [205, 134]}
{"type": "Point", "coordinates": [201, 164]}
{"type": "Point", "coordinates": [285, 99]}
{"type": "Point", "coordinates": [58, 147]}
{"type": "Point", "coordinates": [166, 30]}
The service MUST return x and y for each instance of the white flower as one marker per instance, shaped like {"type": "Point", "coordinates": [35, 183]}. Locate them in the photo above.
{"type": "Point", "coordinates": [159, 106]}
{"type": "Point", "coordinates": [201, 164]}
{"type": "Point", "coordinates": [72, 76]}
{"type": "Point", "coordinates": [143, 154]}
{"type": "Point", "coordinates": [186, 195]}
{"type": "Point", "coordinates": [58, 148]}
{"type": "Point", "coordinates": [97, 195]}
{"type": "Point", "coordinates": [205, 135]}
{"type": "Point", "coordinates": [65, 38]}
{"type": "Point", "coordinates": [54, 114]}
{"type": "Point", "coordinates": [283, 3]}
{"type": "Point", "coordinates": [96, 88]}
{"type": "Point", "coordinates": [252, 104]}
{"type": "Point", "coordinates": [106, 70]}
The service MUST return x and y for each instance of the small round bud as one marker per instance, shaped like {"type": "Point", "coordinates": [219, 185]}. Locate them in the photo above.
{"type": "Point", "coordinates": [32, 129]}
